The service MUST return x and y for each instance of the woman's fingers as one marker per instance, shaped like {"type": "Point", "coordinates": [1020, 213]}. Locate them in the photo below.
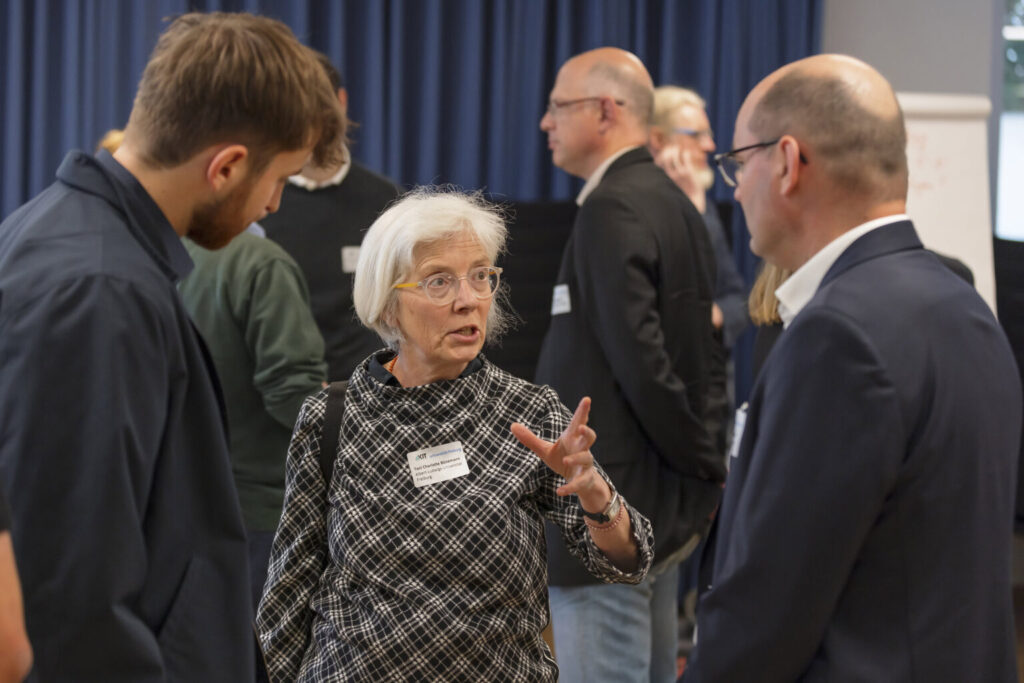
{"type": "Point", "coordinates": [580, 417]}
{"type": "Point", "coordinates": [581, 459]}
{"type": "Point", "coordinates": [576, 436]}
{"type": "Point", "coordinates": [570, 455]}
{"type": "Point", "coordinates": [530, 440]}
{"type": "Point", "coordinates": [581, 473]}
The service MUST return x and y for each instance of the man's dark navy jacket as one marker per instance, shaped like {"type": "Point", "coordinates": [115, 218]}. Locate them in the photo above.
{"type": "Point", "coordinates": [866, 528]}
{"type": "Point", "coordinates": [126, 523]}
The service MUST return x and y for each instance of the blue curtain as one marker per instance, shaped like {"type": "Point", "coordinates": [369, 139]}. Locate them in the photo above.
{"type": "Point", "coordinates": [446, 91]}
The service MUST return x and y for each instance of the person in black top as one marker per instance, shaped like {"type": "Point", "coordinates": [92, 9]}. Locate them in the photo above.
{"type": "Point", "coordinates": [631, 327]}
{"type": "Point", "coordinates": [325, 211]}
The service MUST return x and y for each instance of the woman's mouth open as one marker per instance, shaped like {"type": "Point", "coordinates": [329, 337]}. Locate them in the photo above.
{"type": "Point", "coordinates": [467, 334]}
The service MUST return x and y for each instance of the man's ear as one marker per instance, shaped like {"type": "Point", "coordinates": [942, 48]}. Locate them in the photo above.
{"type": "Point", "coordinates": [608, 109]}
{"type": "Point", "coordinates": [227, 167]}
{"type": "Point", "coordinates": [608, 115]}
{"type": "Point", "coordinates": [791, 167]}
{"type": "Point", "coordinates": [658, 139]}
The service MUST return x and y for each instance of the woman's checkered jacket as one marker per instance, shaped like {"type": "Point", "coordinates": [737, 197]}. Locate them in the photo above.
{"type": "Point", "coordinates": [447, 581]}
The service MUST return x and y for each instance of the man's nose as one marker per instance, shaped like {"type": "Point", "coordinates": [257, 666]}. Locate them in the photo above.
{"type": "Point", "coordinates": [275, 200]}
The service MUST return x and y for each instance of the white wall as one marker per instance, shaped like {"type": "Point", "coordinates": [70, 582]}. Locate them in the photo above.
{"type": "Point", "coordinates": [936, 46]}
{"type": "Point", "coordinates": [939, 47]}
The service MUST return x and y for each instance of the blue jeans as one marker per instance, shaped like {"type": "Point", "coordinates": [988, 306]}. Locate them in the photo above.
{"type": "Point", "coordinates": [615, 632]}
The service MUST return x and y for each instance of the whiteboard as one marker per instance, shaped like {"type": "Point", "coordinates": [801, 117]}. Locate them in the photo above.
{"type": "Point", "coordinates": [948, 197]}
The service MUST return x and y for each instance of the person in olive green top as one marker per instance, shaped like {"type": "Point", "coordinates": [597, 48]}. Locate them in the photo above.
{"type": "Point", "coordinates": [250, 302]}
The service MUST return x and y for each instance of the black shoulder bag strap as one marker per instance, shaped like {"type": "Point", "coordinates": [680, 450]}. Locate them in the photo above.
{"type": "Point", "coordinates": [332, 430]}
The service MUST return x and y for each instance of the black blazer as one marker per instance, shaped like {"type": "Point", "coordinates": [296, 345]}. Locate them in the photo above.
{"type": "Point", "coordinates": [866, 529]}
{"type": "Point", "coordinates": [637, 339]}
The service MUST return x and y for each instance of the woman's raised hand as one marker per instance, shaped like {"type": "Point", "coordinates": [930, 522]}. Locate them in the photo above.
{"type": "Point", "coordinates": [570, 455]}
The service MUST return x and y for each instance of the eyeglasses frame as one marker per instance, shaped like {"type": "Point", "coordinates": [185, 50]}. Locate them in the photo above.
{"type": "Point", "coordinates": [719, 159]}
{"type": "Point", "coordinates": [694, 133]}
{"type": "Point", "coordinates": [554, 106]}
{"type": "Point", "coordinates": [454, 292]}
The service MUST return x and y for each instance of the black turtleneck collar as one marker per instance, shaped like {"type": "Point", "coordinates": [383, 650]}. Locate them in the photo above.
{"type": "Point", "coordinates": [379, 373]}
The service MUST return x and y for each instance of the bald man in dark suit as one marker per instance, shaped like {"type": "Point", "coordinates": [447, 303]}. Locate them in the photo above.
{"type": "Point", "coordinates": [866, 528]}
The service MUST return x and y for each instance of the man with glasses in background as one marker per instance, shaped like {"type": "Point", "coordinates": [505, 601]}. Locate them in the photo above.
{"type": "Point", "coordinates": [681, 140]}
{"type": "Point", "coordinates": [866, 528]}
{"type": "Point", "coordinates": [631, 328]}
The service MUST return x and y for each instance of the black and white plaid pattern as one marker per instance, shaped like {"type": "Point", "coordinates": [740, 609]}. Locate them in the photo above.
{"type": "Point", "coordinates": [447, 582]}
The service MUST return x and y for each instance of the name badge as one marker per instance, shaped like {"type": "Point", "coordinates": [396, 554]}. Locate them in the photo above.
{"type": "Point", "coordinates": [560, 300]}
{"type": "Point", "coordinates": [349, 259]}
{"type": "Point", "coordinates": [437, 464]}
{"type": "Point", "coordinates": [737, 432]}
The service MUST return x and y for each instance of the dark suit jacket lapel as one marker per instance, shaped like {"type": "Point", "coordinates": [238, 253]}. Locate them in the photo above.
{"type": "Point", "coordinates": [885, 240]}
{"type": "Point", "coordinates": [633, 156]}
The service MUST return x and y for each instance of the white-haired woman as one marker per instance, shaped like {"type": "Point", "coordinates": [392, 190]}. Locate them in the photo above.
{"type": "Point", "coordinates": [427, 560]}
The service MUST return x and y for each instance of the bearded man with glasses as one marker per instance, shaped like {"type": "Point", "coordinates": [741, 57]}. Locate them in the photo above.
{"type": "Point", "coordinates": [630, 327]}
{"type": "Point", "coordinates": [681, 141]}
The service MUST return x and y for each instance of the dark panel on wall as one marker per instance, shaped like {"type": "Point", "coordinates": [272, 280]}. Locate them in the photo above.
{"type": "Point", "coordinates": [538, 232]}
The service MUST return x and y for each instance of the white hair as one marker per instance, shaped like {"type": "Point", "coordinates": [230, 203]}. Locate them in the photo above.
{"type": "Point", "coordinates": [668, 99]}
{"type": "Point", "coordinates": [423, 216]}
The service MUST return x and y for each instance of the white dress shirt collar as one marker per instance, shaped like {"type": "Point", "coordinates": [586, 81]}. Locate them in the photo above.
{"type": "Point", "coordinates": [307, 184]}
{"type": "Point", "coordinates": [595, 178]}
{"type": "Point", "coordinates": [797, 290]}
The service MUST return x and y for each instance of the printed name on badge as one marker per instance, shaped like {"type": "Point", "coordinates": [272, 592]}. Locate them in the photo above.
{"type": "Point", "coordinates": [349, 259]}
{"type": "Point", "coordinates": [560, 302]}
{"type": "Point", "coordinates": [437, 464]}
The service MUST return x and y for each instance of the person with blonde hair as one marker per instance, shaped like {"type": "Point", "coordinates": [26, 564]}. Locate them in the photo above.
{"type": "Point", "coordinates": [681, 140]}
{"type": "Point", "coordinates": [111, 140]}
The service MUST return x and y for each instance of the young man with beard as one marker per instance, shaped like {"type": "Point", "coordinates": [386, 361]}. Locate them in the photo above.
{"type": "Point", "coordinates": [127, 525]}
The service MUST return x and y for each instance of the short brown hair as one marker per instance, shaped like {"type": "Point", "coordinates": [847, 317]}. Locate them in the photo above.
{"type": "Point", "coordinates": [861, 151]}
{"type": "Point", "coordinates": [234, 77]}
